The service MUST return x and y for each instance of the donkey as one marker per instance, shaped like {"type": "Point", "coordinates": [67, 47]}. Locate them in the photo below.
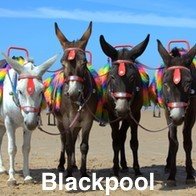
{"type": "Point", "coordinates": [124, 96]}
{"type": "Point", "coordinates": [179, 87]}
{"type": "Point", "coordinates": [21, 107]}
{"type": "Point", "coordinates": [79, 101]}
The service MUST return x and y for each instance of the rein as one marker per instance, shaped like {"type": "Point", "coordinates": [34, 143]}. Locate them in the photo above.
{"type": "Point", "coordinates": [149, 130]}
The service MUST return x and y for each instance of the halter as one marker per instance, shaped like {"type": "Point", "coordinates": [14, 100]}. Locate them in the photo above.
{"type": "Point", "coordinates": [176, 80]}
{"type": "Point", "coordinates": [71, 56]}
{"type": "Point", "coordinates": [30, 90]}
{"type": "Point", "coordinates": [121, 72]}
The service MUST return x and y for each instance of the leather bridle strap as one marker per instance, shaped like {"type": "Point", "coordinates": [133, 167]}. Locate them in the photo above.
{"type": "Point", "coordinates": [74, 78]}
{"type": "Point", "coordinates": [121, 95]}
{"type": "Point", "coordinates": [178, 67]}
{"type": "Point", "coordinates": [177, 104]}
{"type": "Point", "coordinates": [122, 61]}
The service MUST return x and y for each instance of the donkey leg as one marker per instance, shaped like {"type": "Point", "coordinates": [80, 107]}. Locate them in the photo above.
{"type": "Point", "coordinates": [73, 158]}
{"type": "Point", "coordinates": [26, 149]}
{"type": "Point", "coordinates": [61, 167]}
{"type": "Point", "coordinates": [12, 149]}
{"type": "Point", "coordinates": [69, 151]}
{"type": "Point", "coordinates": [116, 147]}
{"type": "Point", "coordinates": [187, 143]}
{"type": "Point", "coordinates": [134, 144]}
{"type": "Point", "coordinates": [2, 132]}
{"type": "Point", "coordinates": [174, 148]}
{"type": "Point", "coordinates": [84, 147]}
{"type": "Point", "coordinates": [123, 135]}
{"type": "Point", "coordinates": [168, 160]}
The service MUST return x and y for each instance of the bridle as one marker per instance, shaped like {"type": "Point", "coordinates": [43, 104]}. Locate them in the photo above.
{"type": "Point", "coordinates": [30, 91]}
{"type": "Point", "coordinates": [122, 72]}
{"type": "Point", "coordinates": [71, 56]}
{"type": "Point", "coordinates": [176, 80]}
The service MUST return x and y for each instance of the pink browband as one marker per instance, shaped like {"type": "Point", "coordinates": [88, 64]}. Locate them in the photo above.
{"type": "Point", "coordinates": [72, 53]}
{"type": "Point", "coordinates": [74, 78]}
{"type": "Point", "coordinates": [121, 67]}
{"type": "Point", "coordinates": [177, 73]}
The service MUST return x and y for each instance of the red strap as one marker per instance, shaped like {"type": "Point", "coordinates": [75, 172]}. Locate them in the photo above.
{"type": "Point", "coordinates": [71, 55]}
{"type": "Point", "coordinates": [121, 95]}
{"type": "Point", "coordinates": [121, 69]}
{"type": "Point", "coordinates": [30, 86]}
{"type": "Point", "coordinates": [177, 104]}
{"type": "Point", "coordinates": [177, 76]}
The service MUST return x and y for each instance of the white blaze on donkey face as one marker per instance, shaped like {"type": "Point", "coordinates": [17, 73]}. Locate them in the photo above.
{"type": "Point", "coordinates": [122, 107]}
{"type": "Point", "coordinates": [75, 88]}
{"type": "Point", "coordinates": [177, 115]}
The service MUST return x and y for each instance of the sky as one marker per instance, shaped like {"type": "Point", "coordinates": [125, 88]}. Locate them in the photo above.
{"type": "Point", "coordinates": [30, 24]}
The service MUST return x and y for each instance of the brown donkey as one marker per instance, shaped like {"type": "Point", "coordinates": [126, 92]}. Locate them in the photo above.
{"type": "Point", "coordinates": [79, 100]}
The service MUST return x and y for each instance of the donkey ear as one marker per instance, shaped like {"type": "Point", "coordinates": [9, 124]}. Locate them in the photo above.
{"type": "Point", "coordinates": [63, 40]}
{"type": "Point", "coordinates": [164, 54]}
{"type": "Point", "coordinates": [85, 37]}
{"type": "Point", "coordinates": [14, 64]}
{"type": "Point", "coordinates": [41, 69]}
{"type": "Point", "coordinates": [109, 50]}
{"type": "Point", "coordinates": [139, 49]}
{"type": "Point", "coordinates": [190, 55]}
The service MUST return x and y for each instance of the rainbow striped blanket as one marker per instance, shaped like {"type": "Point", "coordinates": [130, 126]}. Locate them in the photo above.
{"type": "Point", "coordinates": [54, 84]}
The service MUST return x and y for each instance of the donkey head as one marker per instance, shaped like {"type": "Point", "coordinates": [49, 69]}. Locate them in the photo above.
{"type": "Point", "coordinates": [74, 61]}
{"type": "Point", "coordinates": [123, 75]}
{"type": "Point", "coordinates": [30, 89]}
{"type": "Point", "coordinates": [177, 81]}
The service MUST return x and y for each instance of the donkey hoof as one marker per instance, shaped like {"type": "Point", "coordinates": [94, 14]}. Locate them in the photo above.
{"type": "Point", "coordinates": [124, 169]}
{"type": "Point", "coordinates": [190, 181]}
{"type": "Point", "coordinates": [167, 170]}
{"type": "Point", "coordinates": [138, 173]}
{"type": "Point", "coordinates": [75, 168]}
{"type": "Point", "coordinates": [11, 182]}
{"type": "Point", "coordinates": [3, 171]}
{"type": "Point", "coordinates": [170, 183]}
{"type": "Point", "coordinates": [61, 169]}
{"type": "Point", "coordinates": [84, 175]}
{"type": "Point", "coordinates": [68, 175]}
{"type": "Point", "coordinates": [28, 180]}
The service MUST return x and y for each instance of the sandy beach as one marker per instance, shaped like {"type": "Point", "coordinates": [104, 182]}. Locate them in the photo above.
{"type": "Point", "coordinates": [45, 151]}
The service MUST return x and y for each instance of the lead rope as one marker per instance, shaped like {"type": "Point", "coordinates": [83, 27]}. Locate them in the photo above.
{"type": "Point", "coordinates": [149, 130]}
